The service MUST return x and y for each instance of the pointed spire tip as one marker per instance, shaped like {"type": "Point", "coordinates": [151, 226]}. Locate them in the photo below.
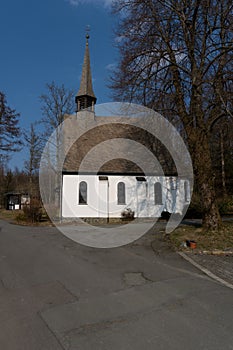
{"type": "Point", "coordinates": [87, 33]}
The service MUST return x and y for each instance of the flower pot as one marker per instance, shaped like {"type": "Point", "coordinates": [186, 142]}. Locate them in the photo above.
{"type": "Point", "coordinates": [193, 244]}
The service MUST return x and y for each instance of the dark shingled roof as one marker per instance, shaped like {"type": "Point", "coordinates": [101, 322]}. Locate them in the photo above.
{"type": "Point", "coordinates": [117, 165]}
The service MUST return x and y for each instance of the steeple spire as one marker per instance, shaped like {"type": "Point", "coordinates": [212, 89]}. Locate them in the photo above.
{"type": "Point", "coordinates": [85, 98]}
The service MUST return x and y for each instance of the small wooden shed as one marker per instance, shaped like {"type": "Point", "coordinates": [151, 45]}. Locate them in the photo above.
{"type": "Point", "coordinates": [16, 200]}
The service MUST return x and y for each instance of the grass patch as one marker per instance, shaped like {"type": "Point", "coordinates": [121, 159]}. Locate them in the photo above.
{"type": "Point", "coordinates": [18, 217]}
{"type": "Point", "coordinates": [206, 240]}
{"type": "Point", "coordinates": [8, 215]}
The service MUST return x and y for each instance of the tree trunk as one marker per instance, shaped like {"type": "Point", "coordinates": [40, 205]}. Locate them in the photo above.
{"type": "Point", "coordinates": [223, 165]}
{"type": "Point", "coordinates": [211, 219]}
{"type": "Point", "coordinates": [203, 171]}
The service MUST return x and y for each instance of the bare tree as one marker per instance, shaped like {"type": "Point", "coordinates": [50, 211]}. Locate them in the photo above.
{"type": "Point", "coordinates": [176, 57]}
{"type": "Point", "coordinates": [33, 142]}
{"type": "Point", "coordinates": [9, 130]}
{"type": "Point", "coordinates": [222, 155]}
{"type": "Point", "coordinates": [55, 104]}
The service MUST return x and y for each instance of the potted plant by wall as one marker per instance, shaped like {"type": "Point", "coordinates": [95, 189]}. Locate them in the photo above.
{"type": "Point", "coordinates": [127, 214]}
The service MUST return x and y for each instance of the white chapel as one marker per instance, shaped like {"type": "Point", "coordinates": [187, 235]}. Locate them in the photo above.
{"type": "Point", "coordinates": [103, 173]}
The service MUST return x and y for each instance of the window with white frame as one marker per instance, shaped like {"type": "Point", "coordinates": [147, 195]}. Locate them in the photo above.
{"type": "Point", "coordinates": [82, 193]}
{"type": "Point", "coordinates": [158, 200]}
{"type": "Point", "coordinates": [120, 193]}
{"type": "Point", "coordinates": [186, 191]}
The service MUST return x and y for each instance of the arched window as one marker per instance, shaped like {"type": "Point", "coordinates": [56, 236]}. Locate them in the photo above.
{"type": "Point", "coordinates": [186, 191]}
{"type": "Point", "coordinates": [121, 193]}
{"type": "Point", "coordinates": [158, 193]}
{"type": "Point", "coordinates": [82, 193]}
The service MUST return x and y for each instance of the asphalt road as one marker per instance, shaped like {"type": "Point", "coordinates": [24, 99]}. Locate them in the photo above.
{"type": "Point", "coordinates": [56, 294]}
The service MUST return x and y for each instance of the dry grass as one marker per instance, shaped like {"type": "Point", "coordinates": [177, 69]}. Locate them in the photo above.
{"type": "Point", "coordinates": [17, 217]}
{"type": "Point", "coordinates": [8, 215]}
{"type": "Point", "coordinates": [222, 239]}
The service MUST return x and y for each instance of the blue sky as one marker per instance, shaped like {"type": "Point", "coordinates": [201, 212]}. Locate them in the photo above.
{"type": "Point", "coordinates": [44, 41]}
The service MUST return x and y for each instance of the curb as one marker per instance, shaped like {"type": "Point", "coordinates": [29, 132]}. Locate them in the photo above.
{"type": "Point", "coordinates": [206, 271]}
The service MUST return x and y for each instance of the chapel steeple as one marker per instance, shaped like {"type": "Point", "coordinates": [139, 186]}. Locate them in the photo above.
{"type": "Point", "coordinates": [85, 98]}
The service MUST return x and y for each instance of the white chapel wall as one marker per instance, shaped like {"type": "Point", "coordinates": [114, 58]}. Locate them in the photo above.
{"type": "Point", "coordinates": [102, 200]}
